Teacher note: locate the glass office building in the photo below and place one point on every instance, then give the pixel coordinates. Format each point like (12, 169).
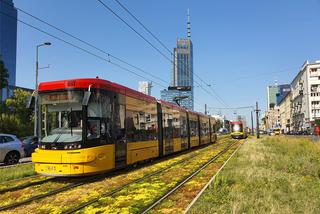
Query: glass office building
(283, 90)
(8, 42)
(182, 76)
(272, 92)
(183, 98)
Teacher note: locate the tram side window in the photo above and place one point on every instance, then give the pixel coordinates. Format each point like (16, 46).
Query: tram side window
(184, 132)
(193, 128)
(119, 131)
(141, 120)
(168, 128)
(204, 129)
(176, 126)
(99, 116)
(93, 129)
(99, 106)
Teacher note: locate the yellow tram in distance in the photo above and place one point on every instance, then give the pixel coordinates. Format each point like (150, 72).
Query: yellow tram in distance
(238, 130)
(90, 126)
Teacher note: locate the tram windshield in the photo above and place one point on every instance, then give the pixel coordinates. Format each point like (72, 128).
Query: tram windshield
(61, 117)
(236, 127)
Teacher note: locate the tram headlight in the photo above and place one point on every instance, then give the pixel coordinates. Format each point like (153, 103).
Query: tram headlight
(72, 146)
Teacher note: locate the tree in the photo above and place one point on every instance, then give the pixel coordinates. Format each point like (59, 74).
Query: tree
(17, 119)
(4, 75)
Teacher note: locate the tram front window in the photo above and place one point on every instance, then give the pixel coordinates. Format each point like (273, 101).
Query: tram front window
(61, 116)
(237, 127)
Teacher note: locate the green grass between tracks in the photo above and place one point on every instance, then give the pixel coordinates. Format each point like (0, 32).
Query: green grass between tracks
(15, 172)
(272, 175)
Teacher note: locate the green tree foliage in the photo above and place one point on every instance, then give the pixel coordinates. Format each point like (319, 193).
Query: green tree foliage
(4, 75)
(16, 118)
(219, 124)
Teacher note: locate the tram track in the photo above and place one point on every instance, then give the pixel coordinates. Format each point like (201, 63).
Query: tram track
(117, 190)
(90, 180)
(16, 165)
(25, 185)
(185, 180)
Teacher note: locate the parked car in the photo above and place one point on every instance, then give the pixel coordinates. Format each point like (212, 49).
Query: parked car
(29, 145)
(11, 149)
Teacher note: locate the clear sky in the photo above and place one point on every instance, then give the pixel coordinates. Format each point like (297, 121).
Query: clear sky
(240, 47)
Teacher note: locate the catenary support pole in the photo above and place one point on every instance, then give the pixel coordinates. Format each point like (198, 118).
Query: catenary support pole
(252, 131)
(257, 116)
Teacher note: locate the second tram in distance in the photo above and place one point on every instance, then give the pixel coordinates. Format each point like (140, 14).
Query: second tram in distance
(238, 130)
(90, 126)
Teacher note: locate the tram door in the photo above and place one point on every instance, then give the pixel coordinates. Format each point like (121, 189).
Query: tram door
(121, 143)
(168, 133)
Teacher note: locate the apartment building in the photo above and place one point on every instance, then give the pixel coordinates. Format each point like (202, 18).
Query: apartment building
(306, 97)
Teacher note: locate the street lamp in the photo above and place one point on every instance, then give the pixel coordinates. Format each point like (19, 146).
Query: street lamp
(36, 89)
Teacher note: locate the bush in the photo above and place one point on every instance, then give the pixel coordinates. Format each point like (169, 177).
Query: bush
(15, 118)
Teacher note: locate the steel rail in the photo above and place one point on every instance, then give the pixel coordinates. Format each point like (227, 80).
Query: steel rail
(180, 184)
(41, 196)
(210, 181)
(88, 180)
(25, 185)
(16, 165)
(112, 192)
(19, 179)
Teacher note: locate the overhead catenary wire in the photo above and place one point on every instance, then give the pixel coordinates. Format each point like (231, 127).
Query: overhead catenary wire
(233, 108)
(157, 39)
(84, 50)
(149, 31)
(133, 29)
(152, 34)
(89, 44)
(80, 48)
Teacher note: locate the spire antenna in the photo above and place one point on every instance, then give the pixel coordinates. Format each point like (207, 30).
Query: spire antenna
(188, 25)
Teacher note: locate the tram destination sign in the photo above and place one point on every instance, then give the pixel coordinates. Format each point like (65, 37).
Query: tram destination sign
(61, 97)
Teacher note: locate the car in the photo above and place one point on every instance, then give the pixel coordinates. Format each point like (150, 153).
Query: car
(29, 145)
(11, 149)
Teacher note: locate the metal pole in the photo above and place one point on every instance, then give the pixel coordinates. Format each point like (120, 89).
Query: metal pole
(314, 119)
(252, 132)
(205, 109)
(36, 95)
(257, 115)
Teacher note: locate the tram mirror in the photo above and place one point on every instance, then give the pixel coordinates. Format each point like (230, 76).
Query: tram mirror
(86, 98)
(103, 128)
(30, 102)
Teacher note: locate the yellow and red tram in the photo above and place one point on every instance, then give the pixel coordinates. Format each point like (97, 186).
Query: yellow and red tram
(91, 126)
(238, 130)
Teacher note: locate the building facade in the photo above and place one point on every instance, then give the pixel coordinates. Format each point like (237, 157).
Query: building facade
(178, 96)
(283, 90)
(8, 43)
(272, 117)
(145, 87)
(272, 92)
(306, 97)
(182, 74)
(285, 107)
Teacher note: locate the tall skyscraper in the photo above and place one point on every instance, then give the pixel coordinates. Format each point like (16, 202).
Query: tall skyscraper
(275, 93)
(8, 42)
(145, 87)
(283, 91)
(181, 89)
(272, 92)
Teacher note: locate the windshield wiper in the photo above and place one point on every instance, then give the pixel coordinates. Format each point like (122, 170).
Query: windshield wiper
(71, 122)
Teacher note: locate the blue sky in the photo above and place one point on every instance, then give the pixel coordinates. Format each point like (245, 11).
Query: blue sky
(240, 47)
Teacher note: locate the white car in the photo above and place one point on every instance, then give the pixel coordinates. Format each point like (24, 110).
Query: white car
(11, 149)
